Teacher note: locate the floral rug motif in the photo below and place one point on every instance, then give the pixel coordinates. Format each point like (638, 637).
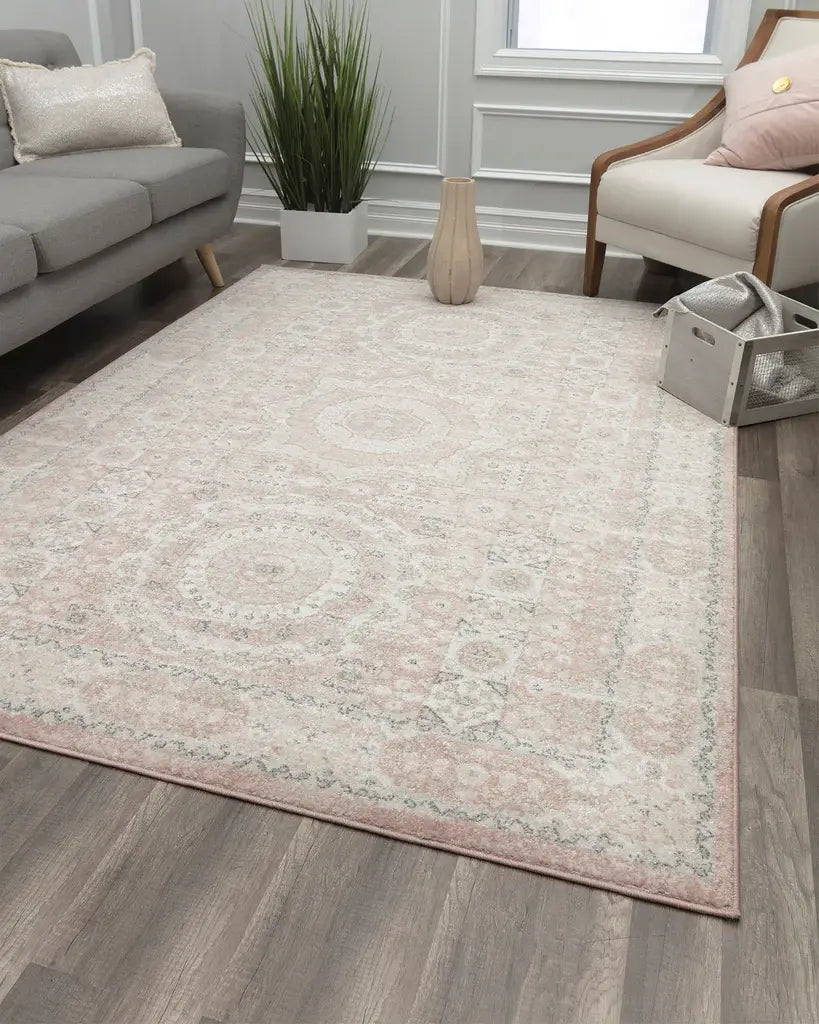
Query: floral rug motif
(462, 576)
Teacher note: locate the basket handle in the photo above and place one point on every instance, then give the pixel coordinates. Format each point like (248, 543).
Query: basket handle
(709, 339)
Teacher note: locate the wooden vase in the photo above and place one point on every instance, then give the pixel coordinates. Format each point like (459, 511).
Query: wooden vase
(455, 260)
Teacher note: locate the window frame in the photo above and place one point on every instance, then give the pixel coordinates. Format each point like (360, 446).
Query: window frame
(727, 38)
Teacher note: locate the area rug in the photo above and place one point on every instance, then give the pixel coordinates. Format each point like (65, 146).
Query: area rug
(460, 576)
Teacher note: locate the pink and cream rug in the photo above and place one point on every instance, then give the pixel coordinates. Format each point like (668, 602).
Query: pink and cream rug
(463, 576)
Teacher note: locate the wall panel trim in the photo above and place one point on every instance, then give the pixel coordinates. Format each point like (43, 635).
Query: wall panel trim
(96, 34)
(480, 111)
(136, 24)
(443, 86)
(382, 167)
(387, 166)
(530, 229)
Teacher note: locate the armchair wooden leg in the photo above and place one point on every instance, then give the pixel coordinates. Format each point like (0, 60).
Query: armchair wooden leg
(595, 255)
(208, 261)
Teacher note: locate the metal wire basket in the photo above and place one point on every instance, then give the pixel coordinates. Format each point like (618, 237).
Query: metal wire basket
(736, 381)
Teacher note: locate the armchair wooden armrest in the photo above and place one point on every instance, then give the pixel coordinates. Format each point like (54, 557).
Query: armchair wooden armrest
(771, 221)
(596, 251)
(774, 207)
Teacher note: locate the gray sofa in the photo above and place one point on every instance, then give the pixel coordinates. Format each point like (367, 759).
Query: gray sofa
(76, 228)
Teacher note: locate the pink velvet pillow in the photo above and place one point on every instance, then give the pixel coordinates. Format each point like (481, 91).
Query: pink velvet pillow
(772, 114)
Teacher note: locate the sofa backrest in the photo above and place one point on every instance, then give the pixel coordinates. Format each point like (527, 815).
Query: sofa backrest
(53, 49)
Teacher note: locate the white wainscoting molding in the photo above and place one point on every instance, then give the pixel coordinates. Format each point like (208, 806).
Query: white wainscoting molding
(602, 74)
(137, 33)
(94, 27)
(480, 111)
(387, 167)
(529, 229)
(443, 85)
(384, 167)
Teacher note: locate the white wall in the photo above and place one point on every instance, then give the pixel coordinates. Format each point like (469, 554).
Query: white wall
(529, 141)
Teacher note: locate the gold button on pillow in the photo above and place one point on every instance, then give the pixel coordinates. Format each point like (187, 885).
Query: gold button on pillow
(782, 84)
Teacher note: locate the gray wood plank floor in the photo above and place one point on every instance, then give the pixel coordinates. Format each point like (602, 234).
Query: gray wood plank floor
(128, 901)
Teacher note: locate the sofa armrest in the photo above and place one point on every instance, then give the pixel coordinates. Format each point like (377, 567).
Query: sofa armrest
(211, 121)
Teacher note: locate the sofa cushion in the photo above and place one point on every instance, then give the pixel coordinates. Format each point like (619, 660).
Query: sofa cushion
(18, 261)
(70, 219)
(176, 179)
(717, 208)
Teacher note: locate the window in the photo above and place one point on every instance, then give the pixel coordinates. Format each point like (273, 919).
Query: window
(622, 26)
(684, 42)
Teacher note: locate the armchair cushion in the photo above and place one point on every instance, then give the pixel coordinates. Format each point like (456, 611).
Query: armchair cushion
(715, 208)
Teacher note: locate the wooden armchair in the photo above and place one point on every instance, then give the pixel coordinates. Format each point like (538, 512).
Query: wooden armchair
(659, 199)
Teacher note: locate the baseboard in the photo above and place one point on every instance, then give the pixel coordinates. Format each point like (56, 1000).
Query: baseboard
(524, 229)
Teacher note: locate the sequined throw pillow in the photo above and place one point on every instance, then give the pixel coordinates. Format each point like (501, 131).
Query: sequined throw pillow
(68, 110)
(772, 114)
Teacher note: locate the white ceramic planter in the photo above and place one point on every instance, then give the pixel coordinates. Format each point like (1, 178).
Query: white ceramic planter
(324, 237)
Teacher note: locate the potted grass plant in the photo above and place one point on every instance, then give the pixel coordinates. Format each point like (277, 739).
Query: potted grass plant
(320, 123)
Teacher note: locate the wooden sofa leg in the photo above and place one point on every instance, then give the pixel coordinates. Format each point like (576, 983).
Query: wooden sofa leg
(595, 255)
(208, 261)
